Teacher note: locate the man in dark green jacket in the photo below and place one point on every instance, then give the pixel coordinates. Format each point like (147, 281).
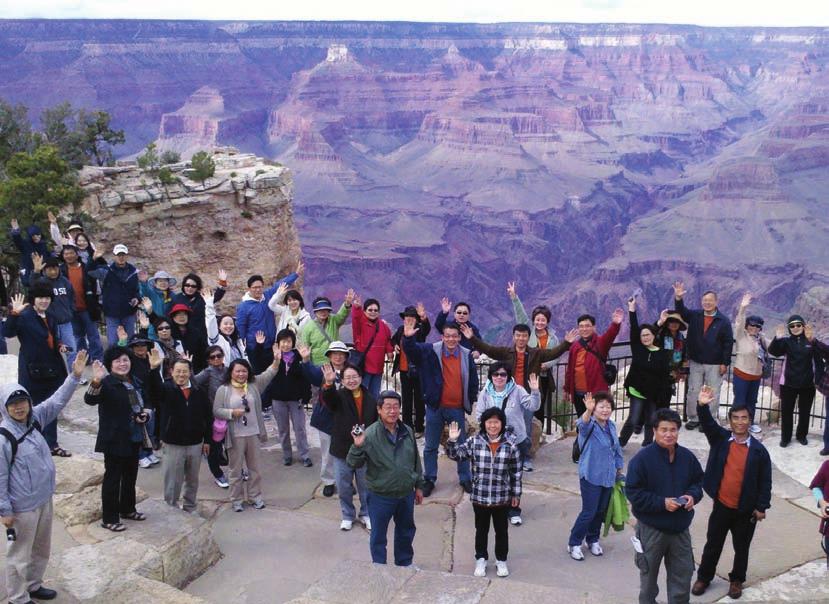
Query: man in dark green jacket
(395, 479)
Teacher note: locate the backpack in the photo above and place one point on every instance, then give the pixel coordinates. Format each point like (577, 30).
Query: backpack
(16, 441)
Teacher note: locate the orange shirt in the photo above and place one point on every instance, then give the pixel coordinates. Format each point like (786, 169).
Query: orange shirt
(731, 484)
(75, 275)
(493, 446)
(186, 392)
(404, 362)
(452, 393)
(518, 370)
(579, 373)
(358, 401)
(542, 340)
(706, 323)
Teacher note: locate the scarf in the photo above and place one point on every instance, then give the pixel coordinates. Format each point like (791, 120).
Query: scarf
(136, 406)
(499, 398)
(288, 357)
(243, 386)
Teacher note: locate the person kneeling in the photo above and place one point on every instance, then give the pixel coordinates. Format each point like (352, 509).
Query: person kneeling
(496, 466)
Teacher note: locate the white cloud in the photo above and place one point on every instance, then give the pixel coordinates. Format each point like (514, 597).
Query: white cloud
(700, 12)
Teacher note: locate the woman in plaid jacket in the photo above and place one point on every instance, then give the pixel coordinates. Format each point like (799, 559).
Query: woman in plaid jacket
(496, 472)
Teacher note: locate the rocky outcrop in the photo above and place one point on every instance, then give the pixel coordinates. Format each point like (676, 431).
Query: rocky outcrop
(191, 226)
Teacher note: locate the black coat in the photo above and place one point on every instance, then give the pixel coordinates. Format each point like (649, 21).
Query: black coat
(650, 371)
(197, 305)
(711, 347)
(423, 328)
(183, 421)
(341, 404)
(116, 429)
(40, 369)
(804, 363)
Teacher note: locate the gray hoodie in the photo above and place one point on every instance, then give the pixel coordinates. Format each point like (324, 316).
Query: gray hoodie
(30, 482)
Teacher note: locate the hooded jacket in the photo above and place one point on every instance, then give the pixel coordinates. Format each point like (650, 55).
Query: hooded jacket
(253, 315)
(119, 286)
(30, 482)
(27, 247)
(515, 403)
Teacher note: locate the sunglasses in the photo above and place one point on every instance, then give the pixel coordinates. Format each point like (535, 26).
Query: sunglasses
(461, 312)
(500, 374)
(189, 285)
(164, 328)
(216, 356)
(795, 324)
(247, 410)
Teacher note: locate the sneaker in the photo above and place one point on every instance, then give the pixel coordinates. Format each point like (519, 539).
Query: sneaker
(501, 568)
(528, 465)
(428, 487)
(307, 462)
(145, 462)
(516, 520)
(245, 475)
(258, 504)
(480, 567)
(575, 552)
(287, 461)
(692, 424)
(346, 525)
(328, 490)
(596, 549)
(366, 522)
(153, 459)
(755, 429)
(238, 506)
(221, 481)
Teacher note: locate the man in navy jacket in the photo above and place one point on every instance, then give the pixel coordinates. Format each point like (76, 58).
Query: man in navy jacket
(709, 342)
(119, 291)
(664, 482)
(449, 381)
(738, 479)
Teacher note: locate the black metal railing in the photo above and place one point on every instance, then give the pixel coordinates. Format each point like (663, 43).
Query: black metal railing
(557, 411)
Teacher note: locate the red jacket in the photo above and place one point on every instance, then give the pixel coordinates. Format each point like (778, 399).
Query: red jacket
(362, 331)
(592, 365)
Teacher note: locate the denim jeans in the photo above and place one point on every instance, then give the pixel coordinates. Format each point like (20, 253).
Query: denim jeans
(435, 420)
(345, 476)
(594, 501)
(745, 394)
(112, 327)
(66, 336)
(87, 336)
(380, 511)
(371, 382)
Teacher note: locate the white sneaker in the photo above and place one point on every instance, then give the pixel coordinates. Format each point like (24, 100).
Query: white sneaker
(575, 552)
(755, 429)
(346, 525)
(501, 568)
(480, 567)
(153, 459)
(516, 520)
(366, 522)
(596, 549)
(145, 462)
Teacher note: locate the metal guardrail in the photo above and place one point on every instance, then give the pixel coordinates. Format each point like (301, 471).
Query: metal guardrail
(559, 412)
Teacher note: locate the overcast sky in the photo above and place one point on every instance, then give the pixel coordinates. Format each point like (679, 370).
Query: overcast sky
(699, 12)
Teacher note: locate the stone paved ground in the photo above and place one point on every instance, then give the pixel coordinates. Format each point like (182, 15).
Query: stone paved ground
(293, 550)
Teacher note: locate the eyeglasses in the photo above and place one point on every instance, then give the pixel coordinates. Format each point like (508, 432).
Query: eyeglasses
(163, 328)
(216, 356)
(500, 374)
(247, 410)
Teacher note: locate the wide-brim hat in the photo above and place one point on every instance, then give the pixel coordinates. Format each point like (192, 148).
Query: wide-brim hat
(162, 275)
(74, 227)
(336, 346)
(409, 311)
(675, 316)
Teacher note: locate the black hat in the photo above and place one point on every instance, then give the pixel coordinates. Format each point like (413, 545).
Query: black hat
(138, 340)
(409, 311)
(754, 320)
(795, 319)
(51, 261)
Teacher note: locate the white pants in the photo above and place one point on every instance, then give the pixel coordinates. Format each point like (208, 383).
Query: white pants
(26, 558)
(327, 463)
(698, 375)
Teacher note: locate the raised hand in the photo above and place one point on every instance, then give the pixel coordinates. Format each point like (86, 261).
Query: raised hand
(51, 216)
(260, 337)
(618, 315)
(466, 330)
(222, 275)
(349, 297)
(706, 395)
(147, 304)
(15, 224)
(300, 268)
(303, 350)
(79, 364)
(445, 304)
(409, 330)
(143, 321)
(122, 333)
(589, 402)
(511, 290)
(454, 431)
(186, 356)
(99, 253)
(280, 292)
(631, 304)
(421, 310)
(37, 261)
(679, 290)
(780, 331)
(99, 372)
(328, 374)
(356, 301)
(18, 303)
(746, 300)
(809, 332)
(277, 354)
(663, 316)
(533, 380)
(572, 335)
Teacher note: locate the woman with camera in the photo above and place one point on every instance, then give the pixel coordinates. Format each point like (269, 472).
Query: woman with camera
(122, 415)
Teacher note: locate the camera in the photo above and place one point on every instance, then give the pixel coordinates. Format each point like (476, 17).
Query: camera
(11, 534)
(357, 430)
(683, 501)
(826, 510)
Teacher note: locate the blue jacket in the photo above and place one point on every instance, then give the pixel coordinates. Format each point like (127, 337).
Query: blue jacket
(254, 315)
(40, 369)
(27, 247)
(601, 454)
(652, 478)
(428, 358)
(712, 347)
(756, 491)
(119, 285)
(62, 307)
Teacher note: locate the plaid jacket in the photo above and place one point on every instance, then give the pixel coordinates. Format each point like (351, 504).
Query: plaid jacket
(496, 479)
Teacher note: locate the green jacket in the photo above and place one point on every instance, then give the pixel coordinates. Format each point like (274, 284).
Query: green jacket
(617, 510)
(312, 336)
(393, 470)
(522, 317)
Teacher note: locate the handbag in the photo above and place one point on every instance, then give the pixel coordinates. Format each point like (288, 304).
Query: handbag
(577, 449)
(609, 370)
(357, 358)
(321, 417)
(219, 429)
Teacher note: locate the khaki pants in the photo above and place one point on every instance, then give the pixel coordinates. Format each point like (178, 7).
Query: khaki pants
(181, 468)
(699, 374)
(245, 448)
(26, 558)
